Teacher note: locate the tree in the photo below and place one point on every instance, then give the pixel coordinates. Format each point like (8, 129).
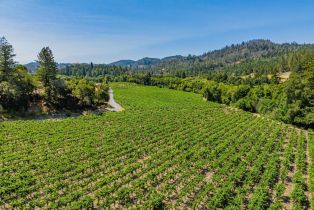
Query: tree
(84, 91)
(102, 92)
(147, 78)
(7, 95)
(25, 85)
(47, 70)
(16, 93)
(15, 84)
(212, 92)
(6, 59)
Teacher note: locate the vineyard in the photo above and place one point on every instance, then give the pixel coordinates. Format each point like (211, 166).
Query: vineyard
(167, 149)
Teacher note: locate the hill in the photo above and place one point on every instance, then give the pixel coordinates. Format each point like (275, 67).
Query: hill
(123, 63)
(233, 54)
(145, 62)
(140, 64)
(258, 48)
(32, 66)
(168, 149)
(236, 58)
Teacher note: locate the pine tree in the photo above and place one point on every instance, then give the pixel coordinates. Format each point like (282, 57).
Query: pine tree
(47, 71)
(6, 60)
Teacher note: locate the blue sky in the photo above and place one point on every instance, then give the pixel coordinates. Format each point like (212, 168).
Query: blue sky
(103, 31)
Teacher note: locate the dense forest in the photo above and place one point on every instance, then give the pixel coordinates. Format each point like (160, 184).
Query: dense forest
(259, 57)
(22, 93)
(236, 58)
(92, 70)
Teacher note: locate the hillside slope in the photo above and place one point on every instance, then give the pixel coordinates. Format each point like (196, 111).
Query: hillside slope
(167, 149)
(233, 54)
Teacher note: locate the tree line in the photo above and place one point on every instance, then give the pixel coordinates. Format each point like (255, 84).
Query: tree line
(19, 90)
(92, 70)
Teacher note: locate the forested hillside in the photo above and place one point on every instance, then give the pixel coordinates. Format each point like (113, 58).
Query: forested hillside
(228, 57)
(257, 50)
(260, 57)
(92, 70)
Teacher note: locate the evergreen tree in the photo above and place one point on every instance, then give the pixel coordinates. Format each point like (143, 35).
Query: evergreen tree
(47, 71)
(6, 60)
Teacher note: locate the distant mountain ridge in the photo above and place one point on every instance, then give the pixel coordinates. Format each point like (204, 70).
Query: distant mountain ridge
(232, 54)
(144, 62)
(141, 63)
(32, 66)
(123, 63)
(256, 48)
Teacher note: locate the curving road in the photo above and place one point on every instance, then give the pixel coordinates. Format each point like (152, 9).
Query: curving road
(112, 103)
